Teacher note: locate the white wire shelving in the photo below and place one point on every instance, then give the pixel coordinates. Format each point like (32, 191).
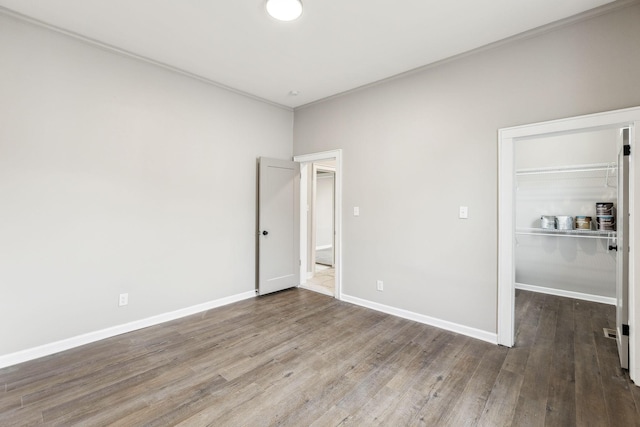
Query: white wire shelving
(594, 167)
(609, 170)
(589, 234)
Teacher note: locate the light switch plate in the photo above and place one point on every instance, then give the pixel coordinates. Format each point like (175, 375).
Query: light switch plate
(356, 211)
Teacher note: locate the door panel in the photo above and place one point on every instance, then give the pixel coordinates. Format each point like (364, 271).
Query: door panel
(622, 261)
(279, 225)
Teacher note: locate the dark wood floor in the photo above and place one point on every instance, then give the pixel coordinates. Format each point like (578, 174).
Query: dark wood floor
(298, 358)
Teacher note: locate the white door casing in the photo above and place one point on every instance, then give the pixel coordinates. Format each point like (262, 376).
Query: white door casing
(278, 225)
(305, 163)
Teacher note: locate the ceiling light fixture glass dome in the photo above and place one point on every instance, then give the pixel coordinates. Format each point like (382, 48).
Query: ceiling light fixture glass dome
(284, 10)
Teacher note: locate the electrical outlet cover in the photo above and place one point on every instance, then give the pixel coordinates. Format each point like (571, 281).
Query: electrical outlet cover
(123, 299)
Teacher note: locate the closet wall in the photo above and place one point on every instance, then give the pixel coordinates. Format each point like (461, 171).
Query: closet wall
(581, 264)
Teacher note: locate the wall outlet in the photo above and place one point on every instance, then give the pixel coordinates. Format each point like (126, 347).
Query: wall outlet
(380, 285)
(123, 300)
(464, 212)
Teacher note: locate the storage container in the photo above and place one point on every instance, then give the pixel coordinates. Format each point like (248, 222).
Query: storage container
(604, 208)
(548, 222)
(564, 222)
(583, 222)
(606, 222)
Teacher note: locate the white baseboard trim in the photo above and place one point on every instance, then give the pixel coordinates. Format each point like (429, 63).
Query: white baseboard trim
(490, 337)
(69, 343)
(568, 294)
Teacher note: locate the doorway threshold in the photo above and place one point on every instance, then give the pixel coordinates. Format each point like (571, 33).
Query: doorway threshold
(316, 288)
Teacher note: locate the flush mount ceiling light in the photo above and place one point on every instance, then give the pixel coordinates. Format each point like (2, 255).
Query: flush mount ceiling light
(284, 10)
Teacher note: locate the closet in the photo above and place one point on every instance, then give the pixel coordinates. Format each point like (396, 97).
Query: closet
(558, 179)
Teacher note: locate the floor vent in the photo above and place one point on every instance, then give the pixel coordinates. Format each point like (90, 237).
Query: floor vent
(609, 333)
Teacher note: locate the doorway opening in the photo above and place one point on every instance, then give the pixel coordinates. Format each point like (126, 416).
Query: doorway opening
(320, 225)
(563, 246)
(321, 237)
(509, 139)
(566, 239)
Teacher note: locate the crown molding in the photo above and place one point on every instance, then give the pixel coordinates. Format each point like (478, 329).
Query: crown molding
(125, 53)
(581, 17)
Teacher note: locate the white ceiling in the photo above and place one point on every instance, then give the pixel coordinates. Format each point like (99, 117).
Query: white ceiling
(336, 45)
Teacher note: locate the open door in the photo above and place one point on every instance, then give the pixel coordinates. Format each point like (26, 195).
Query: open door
(622, 259)
(278, 225)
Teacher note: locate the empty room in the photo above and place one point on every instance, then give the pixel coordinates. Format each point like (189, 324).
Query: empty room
(303, 212)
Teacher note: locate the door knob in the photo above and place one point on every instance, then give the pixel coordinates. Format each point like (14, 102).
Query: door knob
(613, 248)
(265, 232)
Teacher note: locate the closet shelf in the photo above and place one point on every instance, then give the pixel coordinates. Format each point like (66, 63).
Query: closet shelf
(589, 234)
(610, 168)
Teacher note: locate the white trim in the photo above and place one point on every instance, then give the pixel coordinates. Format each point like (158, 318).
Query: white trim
(506, 242)
(69, 343)
(304, 219)
(604, 120)
(312, 218)
(553, 26)
(506, 232)
(568, 294)
(427, 320)
(319, 248)
(122, 52)
(634, 256)
(305, 160)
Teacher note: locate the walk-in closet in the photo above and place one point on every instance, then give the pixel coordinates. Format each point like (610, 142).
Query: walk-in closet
(566, 201)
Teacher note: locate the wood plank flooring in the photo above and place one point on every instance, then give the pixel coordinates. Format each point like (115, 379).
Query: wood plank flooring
(299, 358)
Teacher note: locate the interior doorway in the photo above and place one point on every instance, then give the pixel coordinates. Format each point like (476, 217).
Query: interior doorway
(563, 246)
(508, 140)
(321, 277)
(320, 233)
(567, 190)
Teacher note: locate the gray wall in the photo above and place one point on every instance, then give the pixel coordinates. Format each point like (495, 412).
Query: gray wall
(119, 176)
(417, 147)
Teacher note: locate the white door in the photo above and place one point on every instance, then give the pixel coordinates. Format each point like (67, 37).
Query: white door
(278, 225)
(622, 261)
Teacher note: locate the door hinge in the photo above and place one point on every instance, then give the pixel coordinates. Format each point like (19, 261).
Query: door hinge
(627, 150)
(625, 330)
